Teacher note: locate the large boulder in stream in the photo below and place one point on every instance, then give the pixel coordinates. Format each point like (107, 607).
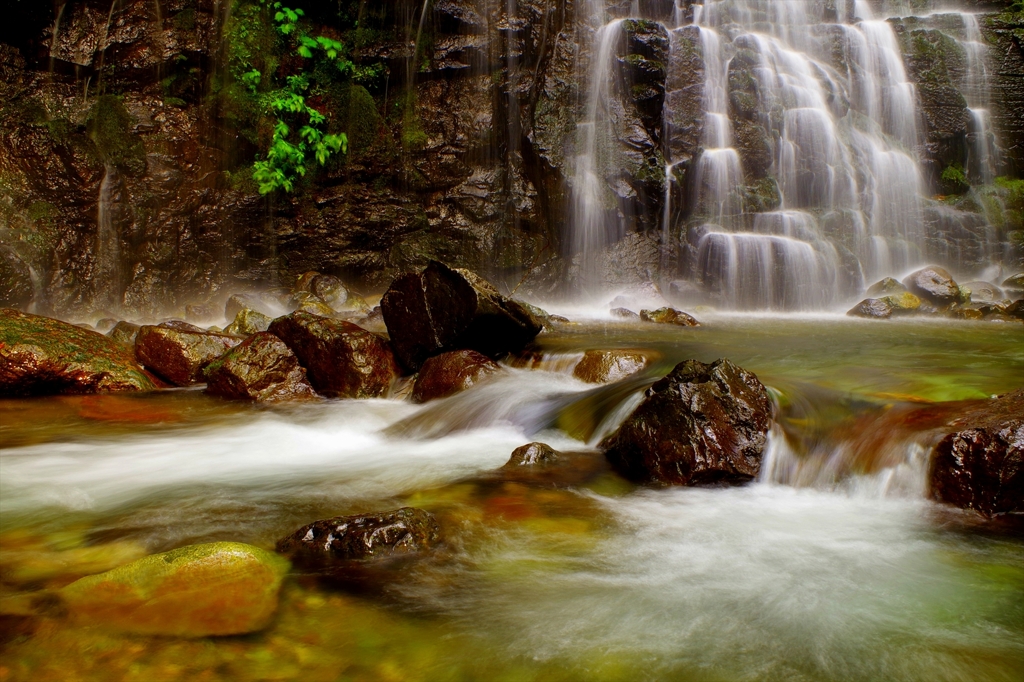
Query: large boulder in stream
(179, 352)
(933, 284)
(261, 368)
(980, 465)
(449, 373)
(701, 424)
(604, 366)
(220, 588)
(363, 537)
(43, 356)
(342, 360)
(443, 309)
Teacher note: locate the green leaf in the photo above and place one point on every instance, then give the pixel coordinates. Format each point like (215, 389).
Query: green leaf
(304, 52)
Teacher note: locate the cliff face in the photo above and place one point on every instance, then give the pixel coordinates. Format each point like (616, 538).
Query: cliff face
(128, 141)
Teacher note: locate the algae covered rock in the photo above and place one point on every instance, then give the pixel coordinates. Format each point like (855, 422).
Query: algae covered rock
(885, 287)
(872, 308)
(261, 368)
(980, 465)
(341, 359)
(179, 352)
(449, 373)
(124, 332)
(363, 536)
(701, 424)
(43, 356)
(248, 321)
(603, 366)
(441, 309)
(669, 316)
(220, 588)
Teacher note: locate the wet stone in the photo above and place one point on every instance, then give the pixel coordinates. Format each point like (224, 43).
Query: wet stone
(625, 313)
(885, 287)
(603, 366)
(1014, 283)
(341, 359)
(220, 588)
(980, 465)
(701, 424)
(329, 289)
(179, 353)
(238, 302)
(248, 321)
(669, 316)
(363, 537)
(532, 455)
(871, 308)
(43, 356)
(933, 284)
(450, 373)
(442, 309)
(984, 292)
(124, 332)
(261, 368)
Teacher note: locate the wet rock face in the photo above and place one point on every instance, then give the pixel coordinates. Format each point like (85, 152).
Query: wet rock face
(602, 366)
(701, 424)
(443, 309)
(362, 537)
(43, 356)
(221, 588)
(885, 287)
(933, 284)
(341, 359)
(248, 322)
(124, 332)
(449, 373)
(669, 316)
(16, 288)
(984, 292)
(981, 465)
(532, 455)
(261, 368)
(179, 353)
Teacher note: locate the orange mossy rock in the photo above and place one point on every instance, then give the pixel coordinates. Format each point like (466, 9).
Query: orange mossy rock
(220, 588)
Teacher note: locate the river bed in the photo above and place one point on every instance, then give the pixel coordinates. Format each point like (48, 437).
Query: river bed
(830, 567)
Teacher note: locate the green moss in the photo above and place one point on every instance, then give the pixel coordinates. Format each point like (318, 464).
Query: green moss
(108, 125)
(185, 20)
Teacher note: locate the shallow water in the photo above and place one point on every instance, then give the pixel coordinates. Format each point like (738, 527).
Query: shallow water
(844, 573)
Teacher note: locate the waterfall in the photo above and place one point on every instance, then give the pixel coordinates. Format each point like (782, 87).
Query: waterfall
(108, 242)
(837, 197)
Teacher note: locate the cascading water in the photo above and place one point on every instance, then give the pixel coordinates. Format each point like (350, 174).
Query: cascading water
(837, 112)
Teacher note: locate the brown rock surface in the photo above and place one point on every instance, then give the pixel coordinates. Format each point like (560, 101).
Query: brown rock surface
(448, 373)
(341, 359)
(700, 424)
(442, 309)
(669, 316)
(261, 368)
(933, 284)
(179, 354)
(603, 366)
(364, 536)
(42, 356)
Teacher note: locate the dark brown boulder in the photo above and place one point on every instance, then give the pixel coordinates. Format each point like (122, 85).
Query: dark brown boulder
(361, 537)
(179, 352)
(261, 368)
(981, 464)
(43, 356)
(443, 309)
(124, 332)
(669, 316)
(448, 373)
(933, 284)
(701, 424)
(341, 359)
(602, 366)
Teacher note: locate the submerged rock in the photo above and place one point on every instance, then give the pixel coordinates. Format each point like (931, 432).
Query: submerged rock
(701, 424)
(449, 373)
(603, 366)
(124, 332)
(43, 356)
(532, 455)
(261, 368)
(342, 360)
(443, 309)
(363, 536)
(669, 316)
(981, 465)
(179, 352)
(221, 588)
(933, 284)
(248, 321)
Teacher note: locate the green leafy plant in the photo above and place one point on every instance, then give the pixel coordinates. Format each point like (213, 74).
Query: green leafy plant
(299, 131)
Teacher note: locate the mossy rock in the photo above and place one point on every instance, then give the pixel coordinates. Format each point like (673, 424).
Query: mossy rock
(43, 356)
(109, 125)
(220, 588)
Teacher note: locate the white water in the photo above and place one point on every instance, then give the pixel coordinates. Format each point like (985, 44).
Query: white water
(841, 112)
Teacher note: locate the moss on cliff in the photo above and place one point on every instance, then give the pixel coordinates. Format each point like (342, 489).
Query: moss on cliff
(109, 126)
